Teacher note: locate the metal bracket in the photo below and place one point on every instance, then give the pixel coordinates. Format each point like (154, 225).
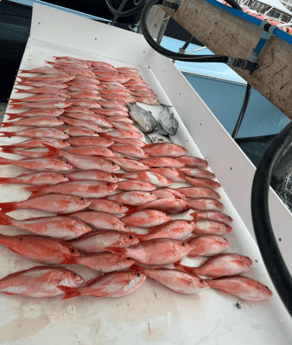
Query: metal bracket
(173, 5)
(267, 31)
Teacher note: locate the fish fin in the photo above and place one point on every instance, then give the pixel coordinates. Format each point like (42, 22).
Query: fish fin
(8, 206)
(139, 236)
(12, 116)
(4, 219)
(183, 268)
(121, 253)
(177, 264)
(69, 291)
(7, 124)
(8, 134)
(53, 151)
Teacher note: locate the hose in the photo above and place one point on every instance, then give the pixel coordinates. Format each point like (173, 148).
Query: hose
(242, 111)
(125, 13)
(267, 243)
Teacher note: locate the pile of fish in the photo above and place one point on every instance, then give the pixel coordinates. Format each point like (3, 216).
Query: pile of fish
(114, 201)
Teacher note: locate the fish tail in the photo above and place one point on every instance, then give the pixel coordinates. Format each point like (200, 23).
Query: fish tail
(52, 151)
(69, 291)
(140, 236)
(131, 209)
(121, 253)
(8, 206)
(7, 124)
(8, 149)
(187, 269)
(69, 261)
(18, 105)
(36, 191)
(14, 99)
(194, 215)
(8, 134)
(12, 116)
(5, 220)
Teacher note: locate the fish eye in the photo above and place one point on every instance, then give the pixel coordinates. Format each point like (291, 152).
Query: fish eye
(183, 244)
(72, 250)
(75, 274)
(130, 236)
(113, 176)
(138, 274)
(126, 225)
(121, 205)
(189, 222)
(201, 280)
(82, 198)
(108, 183)
(113, 163)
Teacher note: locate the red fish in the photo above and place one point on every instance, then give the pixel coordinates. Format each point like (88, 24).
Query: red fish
(77, 131)
(58, 227)
(169, 206)
(112, 105)
(205, 205)
(97, 120)
(43, 90)
(220, 266)
(39, 164)
(132, 185)
(35, 143)
(106, 206)
(36, 113)
(39, 121)
(122, 125)
(173, 174)
(203, 182)
(166, 193)
(199, 192)
(53, 203)
(81, 83)
(101, 220)
(85, 95)
(129, 150)
(132, 141)
(37, 179)
(178, 229)
(165, 149)
(30, 153)
(88, 162)
(245, 288)
(211, 227)
(81, 123)
(123, 133)
(85, 189)
(39, 282)
(39, 98)
(201, 173)
(37, 133)
(105, 142)
(160, 251)
(97, 241)
(119, 118)
(207, 245)
(92, 175)
(163, 162)
(110, 112)
(129, 164)
(75, 109)
(91, 150)
(84, 88)
(103, 262)
(40, 248)
(53, 86)
(213, 215)
(195, 162)
(153, 178)
(40, 105)
(48, 78)
(147, 100)
(175, 280)
(132, 198)
(146, 219)
(84, 103)
(115, 284)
